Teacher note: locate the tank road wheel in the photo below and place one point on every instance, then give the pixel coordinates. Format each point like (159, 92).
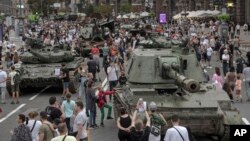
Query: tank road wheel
(72, 87)
(226, 135)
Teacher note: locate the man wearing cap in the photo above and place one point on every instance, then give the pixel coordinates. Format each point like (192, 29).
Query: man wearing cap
(157, 123)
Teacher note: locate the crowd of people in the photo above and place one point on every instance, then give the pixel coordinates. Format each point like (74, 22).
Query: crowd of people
(72, 119)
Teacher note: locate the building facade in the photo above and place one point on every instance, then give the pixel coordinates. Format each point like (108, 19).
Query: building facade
(242, 11)
(17, 11)
(6, 7)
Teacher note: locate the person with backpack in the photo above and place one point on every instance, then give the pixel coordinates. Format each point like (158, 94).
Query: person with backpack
(46, 131)
(21, 132)
(34, 125)
(15, 79)
(157, 123)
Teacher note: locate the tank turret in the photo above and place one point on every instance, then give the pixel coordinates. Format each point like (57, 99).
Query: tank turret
(52, 56)
(171, 71)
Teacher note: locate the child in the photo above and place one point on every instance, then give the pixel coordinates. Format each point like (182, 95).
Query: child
(122, 79)
(238, 88)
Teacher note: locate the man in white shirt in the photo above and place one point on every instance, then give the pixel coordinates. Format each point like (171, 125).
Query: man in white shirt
(245, 28)
(112, 77)
(80, 123)
(238, 29)
(3, 78)
(177, 132)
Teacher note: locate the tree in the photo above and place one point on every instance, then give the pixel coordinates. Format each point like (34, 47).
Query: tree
(104, 9)
(89, 9)
(223, 17)
(41, 6)
(126, 8)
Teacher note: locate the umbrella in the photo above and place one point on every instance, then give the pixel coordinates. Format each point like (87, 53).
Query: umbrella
(125, 17)
(144, 14)
(119, 17)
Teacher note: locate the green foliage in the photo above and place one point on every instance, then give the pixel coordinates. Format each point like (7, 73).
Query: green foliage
(126, 8)
(223, 17)
(89, 9)
(152, 14)
(36, 5)
(104, 9)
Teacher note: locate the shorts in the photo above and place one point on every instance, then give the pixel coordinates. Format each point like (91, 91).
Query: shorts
(209, 58)
(65, 85)
(15, 88)
(239, 71)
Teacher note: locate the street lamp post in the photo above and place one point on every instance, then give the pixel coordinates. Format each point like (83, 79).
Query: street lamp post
(20, 7)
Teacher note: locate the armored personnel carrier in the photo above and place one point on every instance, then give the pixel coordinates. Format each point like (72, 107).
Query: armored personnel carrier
(40, 66)
(166, 72)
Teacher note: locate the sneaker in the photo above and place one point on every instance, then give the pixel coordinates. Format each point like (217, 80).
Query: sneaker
(96, 126)
(110, 118)
(12, 102)
(4, 102)
(17, 102)
(102, 125)
(91, 127)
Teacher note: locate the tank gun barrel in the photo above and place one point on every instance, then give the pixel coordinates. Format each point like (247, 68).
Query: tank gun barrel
(188, 84)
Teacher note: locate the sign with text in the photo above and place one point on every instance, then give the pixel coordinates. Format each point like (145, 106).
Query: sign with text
(239, 132)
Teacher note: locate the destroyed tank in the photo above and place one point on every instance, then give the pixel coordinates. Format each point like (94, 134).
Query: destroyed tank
(39, 66)
(166, 72)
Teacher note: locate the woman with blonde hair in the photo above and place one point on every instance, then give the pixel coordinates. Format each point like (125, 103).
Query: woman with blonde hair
(34, 125)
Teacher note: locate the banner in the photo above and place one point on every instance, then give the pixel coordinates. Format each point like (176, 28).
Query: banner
(163, 18)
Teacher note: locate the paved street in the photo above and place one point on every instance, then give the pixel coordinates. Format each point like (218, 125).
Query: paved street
(37, 101)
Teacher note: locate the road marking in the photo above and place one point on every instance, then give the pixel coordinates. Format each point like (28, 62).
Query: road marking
(245, 121)
(104, 82)
(12, 112)
(104, 85)
(33, 97)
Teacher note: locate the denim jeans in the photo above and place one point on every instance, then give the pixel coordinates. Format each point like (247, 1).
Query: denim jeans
(92, 118)
(247, 85)
(81, 88)
(225, 66)
(67, 120)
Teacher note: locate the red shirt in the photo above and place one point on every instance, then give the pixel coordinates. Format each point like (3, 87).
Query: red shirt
(102, 98)
(95, 51)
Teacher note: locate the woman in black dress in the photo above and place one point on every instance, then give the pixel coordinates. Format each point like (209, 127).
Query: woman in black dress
(124, 125)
